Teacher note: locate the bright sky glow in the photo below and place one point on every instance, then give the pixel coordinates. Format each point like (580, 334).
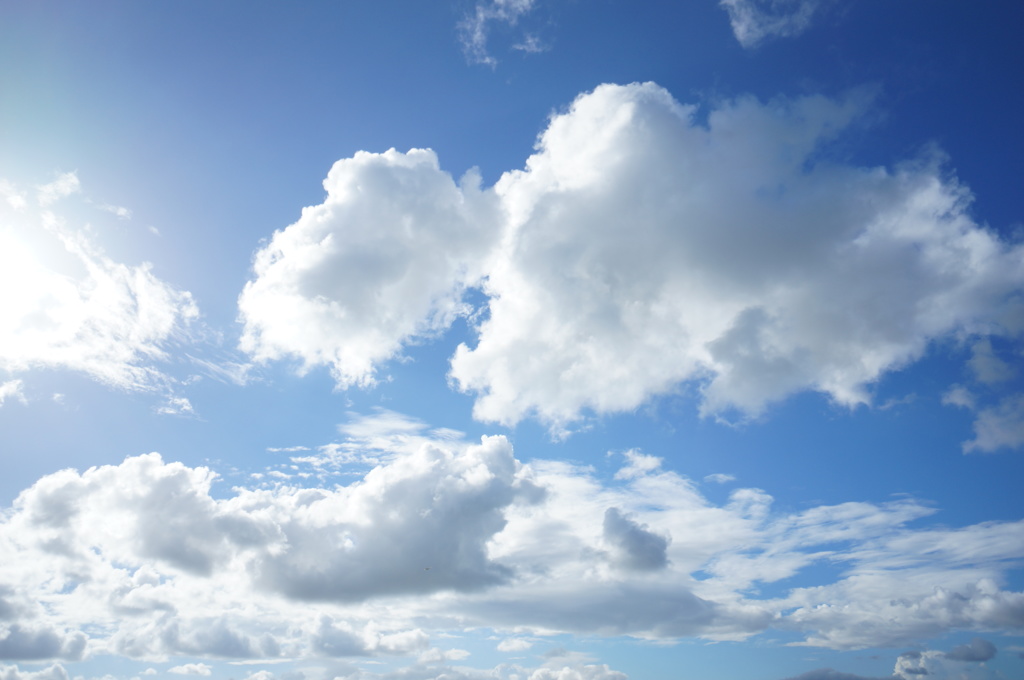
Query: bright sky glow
(512, 340)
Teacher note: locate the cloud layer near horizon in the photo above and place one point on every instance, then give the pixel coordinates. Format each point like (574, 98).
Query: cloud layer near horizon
(641, 249)
(148, 560)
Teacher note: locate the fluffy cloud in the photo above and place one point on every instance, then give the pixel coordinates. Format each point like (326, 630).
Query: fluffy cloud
(54, 672)
(417, 525)
(754, 21)
(647, 250)
(27, 644)
(149, 559)
(78, 309)
(383, 260)
(641, 251)
(191, 669)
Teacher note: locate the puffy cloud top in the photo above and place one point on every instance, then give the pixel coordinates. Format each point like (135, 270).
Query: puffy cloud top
(639, 250)
(385, 258)
(647, 250)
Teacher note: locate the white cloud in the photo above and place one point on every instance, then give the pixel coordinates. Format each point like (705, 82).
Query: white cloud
(144, 559)
(260, 675)
(191, 669)
(77, 309)
(754, 21)
(11, 389)
(720, 478)
(637, 464)
(474, 28)
(436, 655)
(383, 261)
(514, 645)
(65, 185)
(176, 406)
(639, 253)
(54, 672)
(646, 250)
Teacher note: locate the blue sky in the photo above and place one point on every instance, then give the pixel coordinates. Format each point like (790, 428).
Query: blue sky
(511, 340)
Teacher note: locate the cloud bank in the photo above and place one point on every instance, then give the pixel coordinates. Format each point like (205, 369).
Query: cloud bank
(643, 250)
(149, 560)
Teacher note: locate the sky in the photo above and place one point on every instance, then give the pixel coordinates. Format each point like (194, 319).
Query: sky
(512, 340)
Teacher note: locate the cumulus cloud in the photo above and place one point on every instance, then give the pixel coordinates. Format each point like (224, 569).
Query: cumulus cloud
(383, 261)
(54, 672)
(641, 251)
(647, 250)
(78, 309)
(755, 21)
(417, 525)
(26, 644)
(149, 559)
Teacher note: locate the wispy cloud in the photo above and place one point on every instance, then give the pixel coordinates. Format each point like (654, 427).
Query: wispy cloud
(88, 313)
(475, 28)
(755, 21)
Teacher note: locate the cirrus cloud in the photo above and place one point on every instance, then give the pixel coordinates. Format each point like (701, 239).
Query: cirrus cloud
(77, 308)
